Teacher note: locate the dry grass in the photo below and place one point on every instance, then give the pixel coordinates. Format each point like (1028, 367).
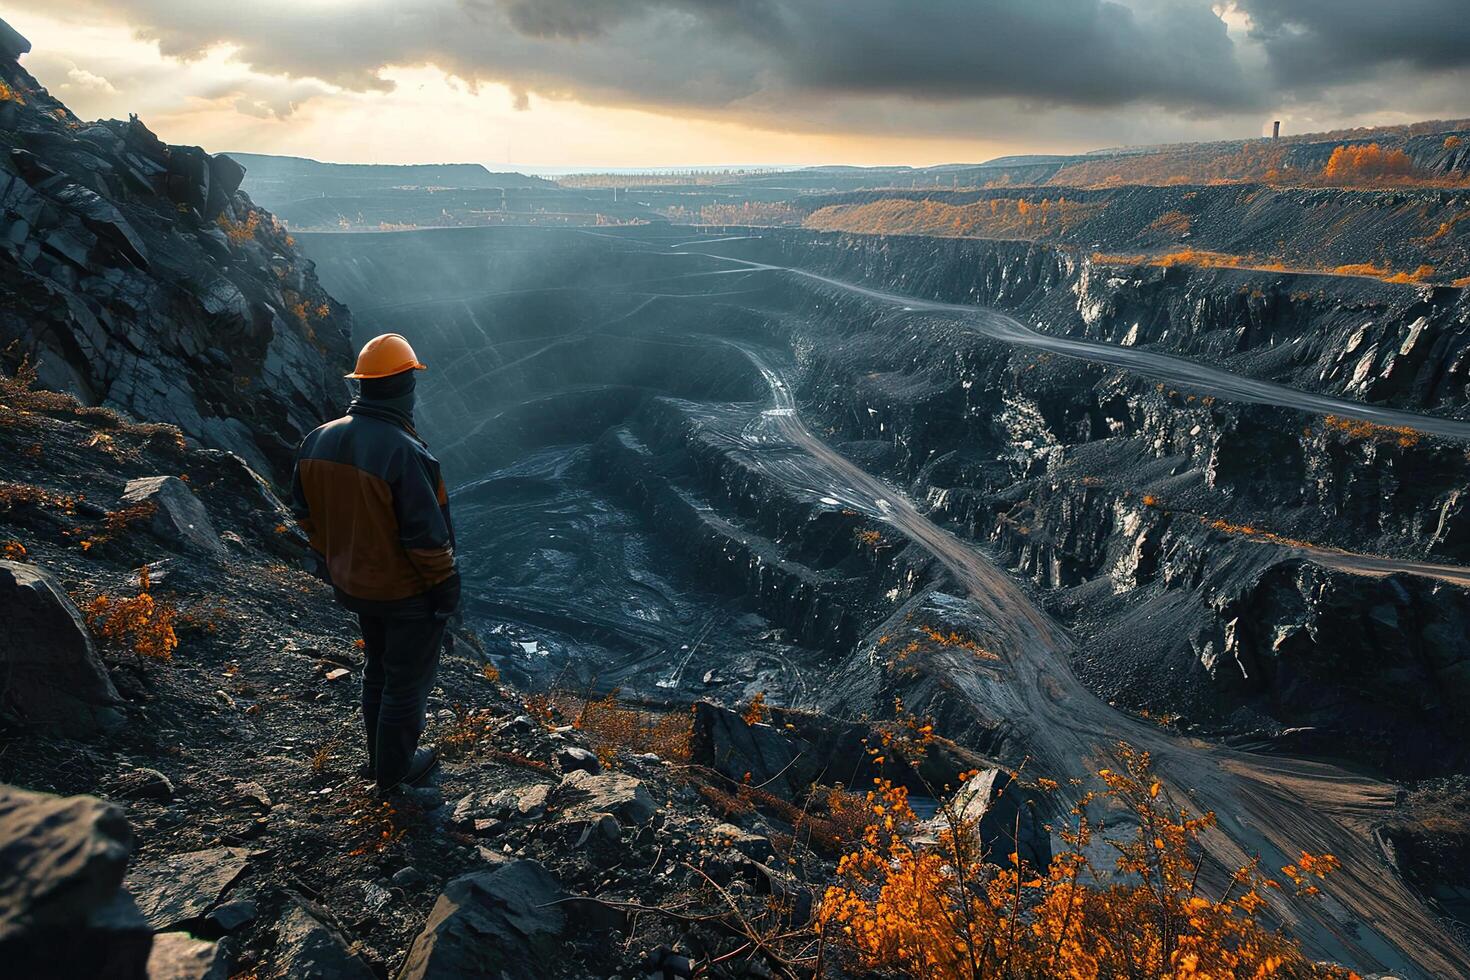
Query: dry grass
(1027, 217)
(615, 727)
(21, 401)
(16, 495)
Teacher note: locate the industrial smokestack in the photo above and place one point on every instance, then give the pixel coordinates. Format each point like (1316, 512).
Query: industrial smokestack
(1276, 130)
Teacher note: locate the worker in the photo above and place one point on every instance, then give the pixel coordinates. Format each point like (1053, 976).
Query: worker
(370, 498)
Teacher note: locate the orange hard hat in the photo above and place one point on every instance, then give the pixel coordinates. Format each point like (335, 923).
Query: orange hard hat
(386, 355)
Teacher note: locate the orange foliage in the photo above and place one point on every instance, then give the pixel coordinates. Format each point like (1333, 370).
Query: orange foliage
(1447, 227)
(756, 213)
(1174, 222)
(1020, 217)
(1222, 260)
(13, 551)
(240, 232)
(1370, 164)
(1450, 142)
(378, 827)
(951, 912)
(1188, 164)
(8, 94)
(614, 726)
(1401, 435)
(142, 623)
(756, 713)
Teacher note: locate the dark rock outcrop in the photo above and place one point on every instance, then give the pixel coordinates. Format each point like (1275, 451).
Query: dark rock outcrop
(176, 890)
(63, 912)
(502, 923)
(141, 278)
(53, 679)
(178, 517)
(309, 948)
(1003, 817)
(583, 796)
(177, 956)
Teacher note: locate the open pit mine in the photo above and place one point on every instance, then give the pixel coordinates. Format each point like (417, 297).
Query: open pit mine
(790, 547)
(1151, 506)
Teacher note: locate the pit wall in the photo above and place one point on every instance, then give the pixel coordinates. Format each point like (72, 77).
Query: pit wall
(1348, 336)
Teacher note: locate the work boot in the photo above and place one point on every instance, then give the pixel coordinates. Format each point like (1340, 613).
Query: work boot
(423, 763)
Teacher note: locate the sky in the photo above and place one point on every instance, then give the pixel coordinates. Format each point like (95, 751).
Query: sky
(588, 84)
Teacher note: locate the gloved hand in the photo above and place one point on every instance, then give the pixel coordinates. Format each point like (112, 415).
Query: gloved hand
(444, 597)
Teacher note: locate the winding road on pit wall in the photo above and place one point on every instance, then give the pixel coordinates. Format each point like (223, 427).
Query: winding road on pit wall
(1270, 806)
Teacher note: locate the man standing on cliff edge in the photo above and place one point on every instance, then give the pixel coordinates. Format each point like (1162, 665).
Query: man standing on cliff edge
(369, 496)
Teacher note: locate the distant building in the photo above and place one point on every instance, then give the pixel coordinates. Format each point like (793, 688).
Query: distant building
(1276, 130)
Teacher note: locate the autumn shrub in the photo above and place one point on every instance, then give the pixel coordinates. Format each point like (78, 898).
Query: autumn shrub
(1402, 436)
(756, 712)
(948, 910)
(8, 94)
(614, 726)
(142, 624)
(1367, 164)
(239, 232)
(13, 551)
(467, 729)
(752, 213)
(1451, 142)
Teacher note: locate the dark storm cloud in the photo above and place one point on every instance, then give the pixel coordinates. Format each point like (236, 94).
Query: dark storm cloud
(1316, 43)
(918, 67)
(744, 57)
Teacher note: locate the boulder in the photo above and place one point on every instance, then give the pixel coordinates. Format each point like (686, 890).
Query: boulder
(517, 803)
(723, 741)
(507, 923)
(177, 956)
(62, 910)
(232, 915)
(572, 758)
(53, 679)
(583, 796)
(188, 177)
(177, 889)
(225, 175)
(178, 517)
(1007, 819)
(307, 948)
(12, 43)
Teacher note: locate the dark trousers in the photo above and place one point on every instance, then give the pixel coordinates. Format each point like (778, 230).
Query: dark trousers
(402, 659)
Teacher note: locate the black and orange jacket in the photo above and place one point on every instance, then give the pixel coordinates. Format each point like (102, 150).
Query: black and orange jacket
(369, 496)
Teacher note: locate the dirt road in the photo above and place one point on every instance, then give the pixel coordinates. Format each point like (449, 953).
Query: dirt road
(1266, 805)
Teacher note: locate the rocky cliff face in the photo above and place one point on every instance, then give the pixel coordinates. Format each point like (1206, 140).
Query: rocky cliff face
(137, 276)
(1350, 336)
(1307, 228)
